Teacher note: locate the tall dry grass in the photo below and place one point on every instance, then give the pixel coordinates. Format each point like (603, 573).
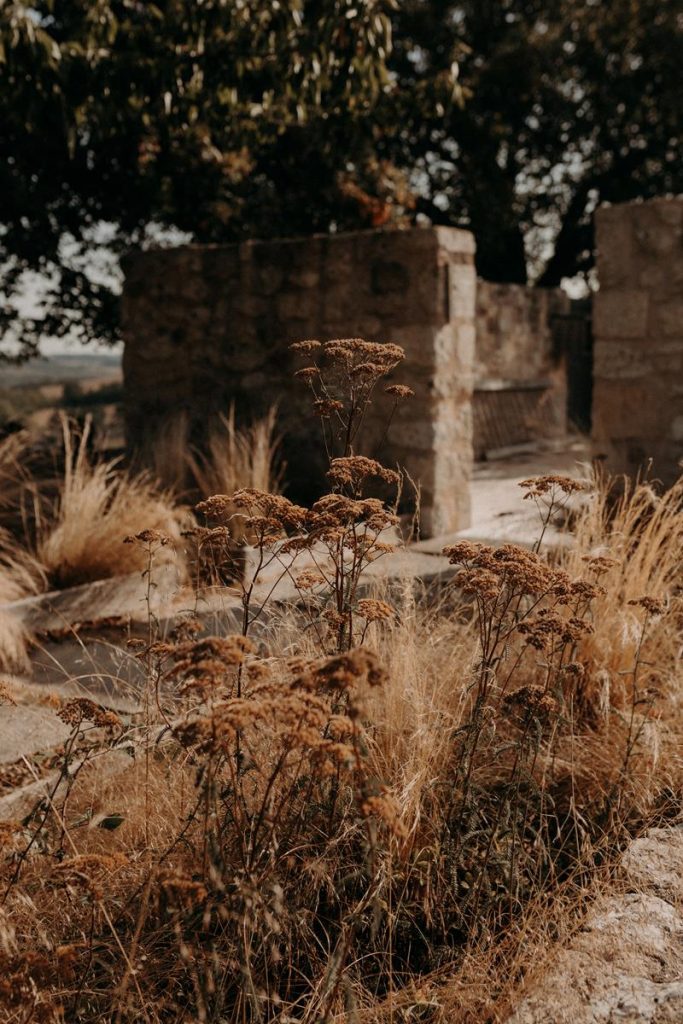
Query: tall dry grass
(348, 901)
(20, 576)
(20, 573)
(83, 537)
(13, 451)
(237, 457)
(232, 456)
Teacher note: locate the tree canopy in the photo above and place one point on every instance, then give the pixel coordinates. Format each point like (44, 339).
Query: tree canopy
(224, 119)
(568, 103)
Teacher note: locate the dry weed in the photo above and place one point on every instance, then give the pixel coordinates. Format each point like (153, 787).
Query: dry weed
(83, 537)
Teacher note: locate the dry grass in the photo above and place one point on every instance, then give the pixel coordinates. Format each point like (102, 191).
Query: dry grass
(18, 574)
(232, 457)
(84, 537)
(12, 459)
(235, 457)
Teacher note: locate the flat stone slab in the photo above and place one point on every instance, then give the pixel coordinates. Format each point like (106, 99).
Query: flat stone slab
(27, 729)
(121, 597)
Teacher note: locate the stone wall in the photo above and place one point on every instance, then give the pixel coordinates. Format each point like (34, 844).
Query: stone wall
(638, 329)
(520, 390)
(514, 335)
(205, 326)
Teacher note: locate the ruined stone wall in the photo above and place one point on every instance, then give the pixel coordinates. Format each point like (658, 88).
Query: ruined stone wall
(205, 326)
(520, 391)
(638, 329)
(514, 336)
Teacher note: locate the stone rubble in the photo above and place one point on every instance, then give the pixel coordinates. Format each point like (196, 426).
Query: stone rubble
(625, 965)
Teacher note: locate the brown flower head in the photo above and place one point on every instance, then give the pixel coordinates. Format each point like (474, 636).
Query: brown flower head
(399, 390)
(353, 470)
(305, 347)
(80, 709)
(149, 538)
(652, 605)
(375, 611)
(542, 486)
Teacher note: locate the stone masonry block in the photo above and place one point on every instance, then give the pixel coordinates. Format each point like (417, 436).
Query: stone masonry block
(638, 338)
(620, 313)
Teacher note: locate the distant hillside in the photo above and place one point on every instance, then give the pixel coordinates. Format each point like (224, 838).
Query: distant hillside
(55, 369)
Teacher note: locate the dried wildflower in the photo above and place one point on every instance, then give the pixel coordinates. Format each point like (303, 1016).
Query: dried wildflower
(540, 486)
(652, 605)
(271, 507)
(352, 350)
(305, 347)
(464, 552)
(183, 891)
(326, 407)
(149, 537)
(599, 564)
(186, 629)
(308, 374)
(399, 390)
(308, 579)
(383, 805)
(584, 589)
(202, 665)
(534, 701)
(215, 535)
(81, 709)
(545, 628)
(216, 506)
(375, 611)
(343, 671)
(353, 470)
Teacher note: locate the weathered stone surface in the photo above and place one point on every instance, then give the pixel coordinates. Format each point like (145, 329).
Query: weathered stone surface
(513, 329)
(118, 597)
(655, 861)
(25, 730)
(621, 313)
(625, 965)
(638, 327)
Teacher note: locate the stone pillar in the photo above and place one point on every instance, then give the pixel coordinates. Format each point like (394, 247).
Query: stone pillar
(638, 348)
(205, 326)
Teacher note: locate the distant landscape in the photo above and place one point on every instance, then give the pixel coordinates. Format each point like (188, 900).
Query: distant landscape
(80, 384)
(54, 369)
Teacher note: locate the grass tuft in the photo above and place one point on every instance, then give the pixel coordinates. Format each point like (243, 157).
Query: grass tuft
(83, 538)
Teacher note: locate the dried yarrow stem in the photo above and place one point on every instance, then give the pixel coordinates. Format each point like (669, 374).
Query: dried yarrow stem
(81, 709)
(149, 538)
(343, 379)
(545, 486)
(652, 605)
(352, 471)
